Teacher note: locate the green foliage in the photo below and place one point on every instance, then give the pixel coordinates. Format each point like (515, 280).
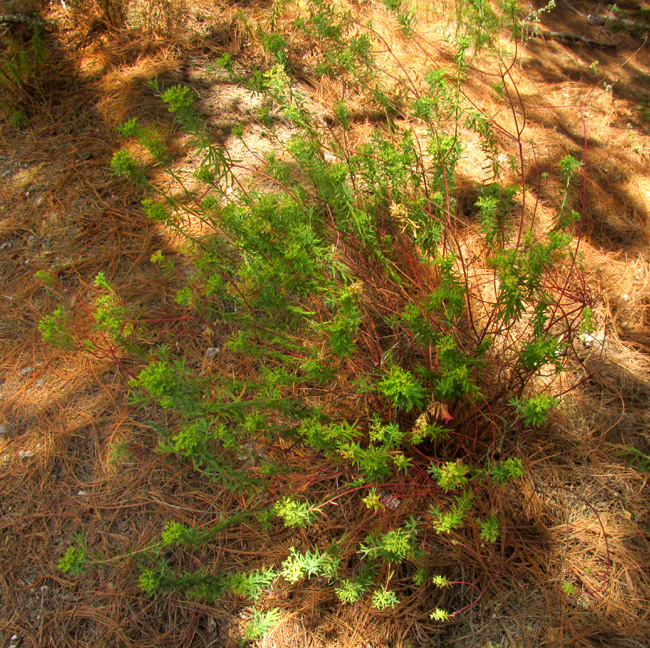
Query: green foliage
(179, 99)
(440, 615)
(349, 591)
(454, 518)
(253, 584)
(328, 436)
(402, 388)
(383, 599)
(261, 623)
(169, 384)
(177, 533)
(156, 211)
(75, 559)
(568, 167)
(309, 563)
(124, 164)
(441, 581)
(53, 329)
(360, 324)
(343, 328)
(569, 588)
(538, 352)
(22, 67)
(634, 457)
(450, 296)
(373, 499)
(489, 528)
(587, 325)
(295, 514)
(393, 546)
(535, 410)
(451, 475)
(504, 471)
(150, 581)
(494, 205)
(374, 461)
(109, 313)
(45, 277)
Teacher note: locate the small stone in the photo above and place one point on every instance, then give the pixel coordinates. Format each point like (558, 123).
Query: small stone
(26, 371)
(4, 429)
(211, 352)
(596, 340)
(82, 493)
(392, 503)
(23, 454)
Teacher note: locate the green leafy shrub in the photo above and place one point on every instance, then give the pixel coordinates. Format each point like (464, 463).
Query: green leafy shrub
(366, 335)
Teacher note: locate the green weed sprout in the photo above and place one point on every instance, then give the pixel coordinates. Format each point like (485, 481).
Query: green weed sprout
(261, 623)
(383, 599)
(489, 528)
(440, 615)
(75, 559)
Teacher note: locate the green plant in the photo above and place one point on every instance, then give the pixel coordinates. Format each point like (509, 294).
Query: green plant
(504, 471)
(362, 320)
(535, 410)
(261, 623)
(489, 528)
(373, 499)
(110, 315)
(440, 615)
(635, 457)
(569, 588)
(309, 563)
(451, 475)
(393, 546)
(295, 514)
(75, 559)
(253, 584)
(445, 522)
(352, 590)
(441, 581)
(402, 388)
(118, 452)
(53, 329)
(383, 599)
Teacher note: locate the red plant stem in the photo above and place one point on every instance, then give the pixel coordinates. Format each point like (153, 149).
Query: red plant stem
(476, 600)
